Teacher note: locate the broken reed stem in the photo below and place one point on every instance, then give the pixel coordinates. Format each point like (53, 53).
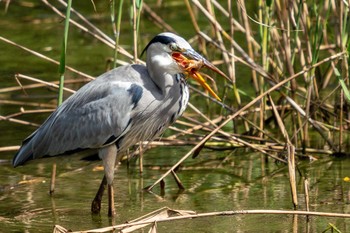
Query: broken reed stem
(290, 151)
(9, 148)
(307, 197)
(53, 178)
(205, 215)
(291, 171)
(178, 181)
(140, 157)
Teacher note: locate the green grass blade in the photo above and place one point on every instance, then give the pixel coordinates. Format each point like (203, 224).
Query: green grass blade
(139, 9)
(342, 84)
(62, 66)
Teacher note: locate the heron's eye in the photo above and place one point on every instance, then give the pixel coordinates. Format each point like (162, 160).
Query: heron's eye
(174, 47)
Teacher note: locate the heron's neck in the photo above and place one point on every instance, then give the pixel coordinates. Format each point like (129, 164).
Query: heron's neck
(162, 70)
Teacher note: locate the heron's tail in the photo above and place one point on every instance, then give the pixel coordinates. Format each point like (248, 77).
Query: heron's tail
(25, 153)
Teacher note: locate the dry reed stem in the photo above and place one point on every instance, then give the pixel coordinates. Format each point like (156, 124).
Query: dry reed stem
(53, 179)
(307, 197)
(9, 148)
(101, 36)
(249, 44)
(87, 22)
(37, 54)
(22, 122)
(166, 214)
(134, 29)
(50, 84)
(291, 172)
(157, 20)
(41, 84)
(290, 151)
(230, 145)
(24, 103)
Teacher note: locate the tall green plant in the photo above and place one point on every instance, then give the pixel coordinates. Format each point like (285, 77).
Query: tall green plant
(62, 66)
(345, 30)
(116, 27)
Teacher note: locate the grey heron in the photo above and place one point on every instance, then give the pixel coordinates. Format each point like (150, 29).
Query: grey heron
(120, 108)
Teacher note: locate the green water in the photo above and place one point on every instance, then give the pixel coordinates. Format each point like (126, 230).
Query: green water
(239, 183)
(215, 181)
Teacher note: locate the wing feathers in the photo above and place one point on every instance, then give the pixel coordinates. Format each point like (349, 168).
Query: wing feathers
(99, 112)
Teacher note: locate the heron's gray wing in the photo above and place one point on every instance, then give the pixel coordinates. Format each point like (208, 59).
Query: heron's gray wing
(97, 114)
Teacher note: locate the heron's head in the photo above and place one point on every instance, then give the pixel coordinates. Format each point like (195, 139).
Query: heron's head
(176, 55)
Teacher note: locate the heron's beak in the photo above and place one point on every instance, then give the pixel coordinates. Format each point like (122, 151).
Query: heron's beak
(191, 62)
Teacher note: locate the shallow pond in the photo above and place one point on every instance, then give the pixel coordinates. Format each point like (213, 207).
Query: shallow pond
(215, 181)
(242, 181)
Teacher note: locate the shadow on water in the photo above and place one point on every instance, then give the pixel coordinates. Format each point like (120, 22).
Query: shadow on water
(215, 181)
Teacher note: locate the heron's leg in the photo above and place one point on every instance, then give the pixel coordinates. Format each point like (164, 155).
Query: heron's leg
(96, 203)
(111, 208)
(108, 155)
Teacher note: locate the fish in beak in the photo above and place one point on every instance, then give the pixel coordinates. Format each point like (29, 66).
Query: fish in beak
(191, 62)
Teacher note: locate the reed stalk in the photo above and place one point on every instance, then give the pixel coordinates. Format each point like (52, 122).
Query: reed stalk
(116, 27)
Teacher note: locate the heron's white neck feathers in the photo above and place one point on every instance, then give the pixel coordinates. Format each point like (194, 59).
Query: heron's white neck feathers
(161, 66)
(164, 61)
